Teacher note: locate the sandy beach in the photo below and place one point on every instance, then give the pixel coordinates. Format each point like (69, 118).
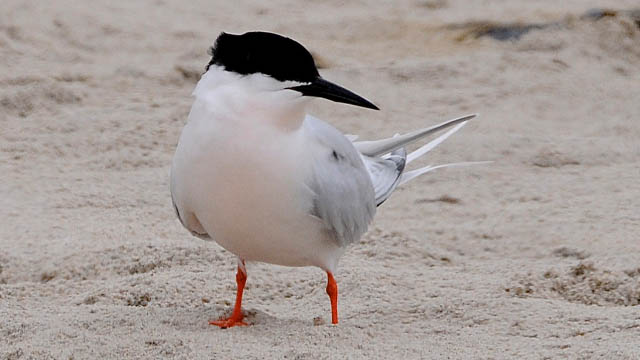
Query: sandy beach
(535, 256)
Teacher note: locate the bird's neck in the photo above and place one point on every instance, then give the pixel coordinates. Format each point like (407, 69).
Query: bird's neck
(255, 99)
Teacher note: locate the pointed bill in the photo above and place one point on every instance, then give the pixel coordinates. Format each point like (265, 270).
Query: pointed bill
(330, 91)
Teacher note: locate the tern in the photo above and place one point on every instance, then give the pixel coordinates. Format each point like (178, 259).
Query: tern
(269, 183)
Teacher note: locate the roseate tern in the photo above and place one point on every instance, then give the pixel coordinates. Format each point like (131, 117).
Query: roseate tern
(253, 172)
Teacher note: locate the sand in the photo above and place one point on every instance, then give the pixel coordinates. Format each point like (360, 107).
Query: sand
(534, 256)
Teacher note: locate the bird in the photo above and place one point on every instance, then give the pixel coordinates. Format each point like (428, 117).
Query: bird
(269, 183)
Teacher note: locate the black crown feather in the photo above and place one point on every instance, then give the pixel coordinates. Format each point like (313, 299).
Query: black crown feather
(267, 53)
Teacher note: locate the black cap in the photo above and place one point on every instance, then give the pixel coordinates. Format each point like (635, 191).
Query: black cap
(283, 59)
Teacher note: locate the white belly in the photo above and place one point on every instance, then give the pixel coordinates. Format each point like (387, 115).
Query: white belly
(246, 186)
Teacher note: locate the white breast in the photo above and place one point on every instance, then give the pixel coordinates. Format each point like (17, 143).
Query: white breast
(244, 181)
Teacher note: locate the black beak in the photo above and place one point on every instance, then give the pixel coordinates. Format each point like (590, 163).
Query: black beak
(325, 89)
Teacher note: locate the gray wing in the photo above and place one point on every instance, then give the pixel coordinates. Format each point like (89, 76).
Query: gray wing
(351, 179)
(385, 173)
(348, 186)
(343, 192)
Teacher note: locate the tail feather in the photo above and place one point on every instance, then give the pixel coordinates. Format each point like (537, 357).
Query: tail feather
(433, 143)
(379, 147)
(386, 159)
(399, 159)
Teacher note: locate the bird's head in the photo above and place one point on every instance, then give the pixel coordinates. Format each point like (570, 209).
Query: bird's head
(281, 62)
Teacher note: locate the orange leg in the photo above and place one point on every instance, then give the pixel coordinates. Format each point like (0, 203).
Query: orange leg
(332, 291)
(236, 317)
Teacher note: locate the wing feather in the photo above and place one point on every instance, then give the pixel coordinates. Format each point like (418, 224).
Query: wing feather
(344, 195)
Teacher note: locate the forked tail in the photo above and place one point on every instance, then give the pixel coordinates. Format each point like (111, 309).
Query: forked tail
(383, 157)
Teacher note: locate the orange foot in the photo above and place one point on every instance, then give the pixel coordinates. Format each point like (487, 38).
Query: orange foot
(227, 323)
(236, 317)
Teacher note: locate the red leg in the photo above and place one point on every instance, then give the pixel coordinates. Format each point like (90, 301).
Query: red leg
(332, 291)
(236, 317)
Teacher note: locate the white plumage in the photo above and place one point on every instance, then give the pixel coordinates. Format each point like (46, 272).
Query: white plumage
(266, 181)
(287, 190)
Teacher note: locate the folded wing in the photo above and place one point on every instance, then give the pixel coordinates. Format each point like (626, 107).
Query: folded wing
(344, 197)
